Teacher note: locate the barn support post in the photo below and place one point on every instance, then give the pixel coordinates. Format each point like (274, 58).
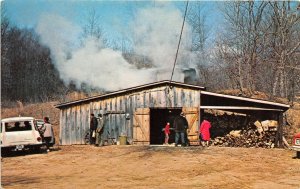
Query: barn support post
(61, 125)
(279, 133)
(201, 113)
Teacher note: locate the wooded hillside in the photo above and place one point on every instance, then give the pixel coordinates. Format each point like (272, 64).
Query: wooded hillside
(257, 50)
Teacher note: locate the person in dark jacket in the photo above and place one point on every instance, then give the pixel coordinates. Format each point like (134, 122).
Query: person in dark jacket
(99, 131)
(93, 127)
(180, 126)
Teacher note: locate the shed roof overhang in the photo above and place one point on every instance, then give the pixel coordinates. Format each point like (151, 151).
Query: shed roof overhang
(210, 100)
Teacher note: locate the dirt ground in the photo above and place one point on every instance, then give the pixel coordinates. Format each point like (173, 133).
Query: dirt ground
(84, 166)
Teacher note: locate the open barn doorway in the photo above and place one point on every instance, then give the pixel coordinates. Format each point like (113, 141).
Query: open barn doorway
(158, 119)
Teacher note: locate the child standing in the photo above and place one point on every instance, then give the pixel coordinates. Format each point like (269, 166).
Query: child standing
(167, 133)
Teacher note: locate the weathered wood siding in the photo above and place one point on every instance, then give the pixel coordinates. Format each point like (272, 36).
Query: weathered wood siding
(74, 120)
(74, 123)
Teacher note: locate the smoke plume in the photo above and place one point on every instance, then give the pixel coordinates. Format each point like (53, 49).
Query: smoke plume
(156, 33)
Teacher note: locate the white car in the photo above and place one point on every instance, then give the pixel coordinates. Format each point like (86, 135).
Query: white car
(19, 133)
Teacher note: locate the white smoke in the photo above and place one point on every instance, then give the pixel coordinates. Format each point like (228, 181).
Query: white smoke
(104, 68)
(156, 33)
(59, 35)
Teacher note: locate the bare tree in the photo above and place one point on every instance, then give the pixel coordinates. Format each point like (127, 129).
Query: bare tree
(5, 63)
(260, 46)
(27, 73)
(284, 42)
(242, 43)
(196, 17)
(93, 28)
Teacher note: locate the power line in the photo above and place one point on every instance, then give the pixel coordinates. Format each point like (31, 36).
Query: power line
(187, 3)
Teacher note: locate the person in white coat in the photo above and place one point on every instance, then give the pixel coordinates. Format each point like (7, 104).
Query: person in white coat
(48, 132)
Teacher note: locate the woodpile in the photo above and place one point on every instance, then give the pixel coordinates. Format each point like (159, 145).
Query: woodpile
(260, 134)
(240, 130)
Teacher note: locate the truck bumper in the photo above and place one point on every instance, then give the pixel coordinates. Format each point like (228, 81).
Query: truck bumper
(21, 147)
(296, 148)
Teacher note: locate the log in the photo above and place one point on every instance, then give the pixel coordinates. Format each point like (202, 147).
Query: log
(251, 135)
(286, 144)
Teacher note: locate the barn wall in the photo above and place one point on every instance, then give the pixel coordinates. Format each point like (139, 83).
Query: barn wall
(74, 120)
(74, 124)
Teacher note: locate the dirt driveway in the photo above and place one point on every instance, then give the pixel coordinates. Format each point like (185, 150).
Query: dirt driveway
(85, 166)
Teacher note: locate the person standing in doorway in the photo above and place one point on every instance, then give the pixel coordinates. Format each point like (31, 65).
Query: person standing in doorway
(167, 133)
(99, 131)
(93, 127)
(204, 132)
(48, 132)
(180, 125)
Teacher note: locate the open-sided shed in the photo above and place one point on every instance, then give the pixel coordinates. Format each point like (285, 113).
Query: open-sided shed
(260, 109)
(141, 112)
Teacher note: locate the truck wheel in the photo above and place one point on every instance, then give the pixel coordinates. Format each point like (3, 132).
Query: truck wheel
(36, 149)
(298, 154)
(5, 152)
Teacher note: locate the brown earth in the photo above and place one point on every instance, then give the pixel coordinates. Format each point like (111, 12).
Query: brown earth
(83, 166)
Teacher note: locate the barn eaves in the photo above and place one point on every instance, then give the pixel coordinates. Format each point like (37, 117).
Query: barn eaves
(129, 90)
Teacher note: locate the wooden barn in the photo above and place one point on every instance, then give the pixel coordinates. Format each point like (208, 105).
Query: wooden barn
(140, 112)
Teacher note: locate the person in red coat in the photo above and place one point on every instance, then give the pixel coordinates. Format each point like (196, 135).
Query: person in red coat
(167, 133)
(204, 132)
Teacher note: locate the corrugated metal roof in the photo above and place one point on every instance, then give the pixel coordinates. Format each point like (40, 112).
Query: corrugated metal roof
(160, 83)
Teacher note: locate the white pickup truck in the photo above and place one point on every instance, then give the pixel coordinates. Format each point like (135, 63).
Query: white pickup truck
(20, 133)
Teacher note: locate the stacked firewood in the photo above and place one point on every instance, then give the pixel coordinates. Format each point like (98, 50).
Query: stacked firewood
(240, 130)
(259, 134)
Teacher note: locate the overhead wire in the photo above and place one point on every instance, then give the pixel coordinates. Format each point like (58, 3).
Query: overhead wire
(176, 55)
(169, 103)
